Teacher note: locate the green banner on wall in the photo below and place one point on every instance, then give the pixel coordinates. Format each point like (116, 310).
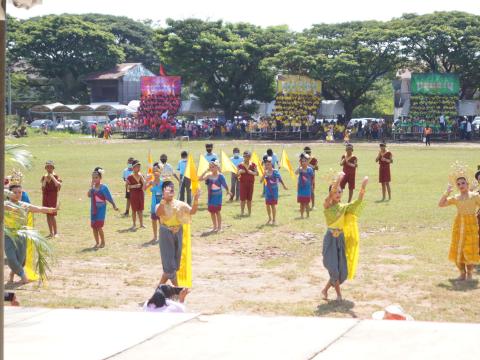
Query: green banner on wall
(435, 84)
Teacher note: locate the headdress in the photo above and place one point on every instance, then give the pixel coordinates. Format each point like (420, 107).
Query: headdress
(459, 170)
(15, 178)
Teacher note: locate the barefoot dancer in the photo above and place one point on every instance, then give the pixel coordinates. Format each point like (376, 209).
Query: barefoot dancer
(99, 194)
(126, 173)
(384, 159)
(136, 185)
(349, 163)
(246, 174)
(16, 215)
(271, 178)
(156, 189)
(215, 181)
(304, 188)
(313, 163)
(340, 244)
(464, 248)
(51, 185)
(173, 214)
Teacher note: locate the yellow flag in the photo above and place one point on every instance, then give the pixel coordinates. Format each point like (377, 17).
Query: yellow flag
(285, 163)
(150, 163)
(255, 159)
(191, 173)
(202, 165)
(227, 165)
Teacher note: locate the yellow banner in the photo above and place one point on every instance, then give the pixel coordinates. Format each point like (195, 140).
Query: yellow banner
(298, 84)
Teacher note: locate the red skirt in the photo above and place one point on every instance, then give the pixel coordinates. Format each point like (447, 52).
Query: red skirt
(384, 174)
(49, 199)
(303, 199)
(271, 202)
(246, 191)
(348, 179)
(137, 199)
(214, 209)
(97, 224)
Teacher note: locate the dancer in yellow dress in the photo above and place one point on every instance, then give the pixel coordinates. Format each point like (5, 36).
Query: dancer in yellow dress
(464, 248)
(341, 241)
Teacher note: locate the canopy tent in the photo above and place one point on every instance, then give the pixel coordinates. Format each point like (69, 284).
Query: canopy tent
(105, 108)
(331, 108)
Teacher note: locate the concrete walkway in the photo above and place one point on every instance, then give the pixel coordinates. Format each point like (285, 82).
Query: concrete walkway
(94, 335)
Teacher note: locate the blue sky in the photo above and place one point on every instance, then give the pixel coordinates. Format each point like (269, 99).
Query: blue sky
(297, 14)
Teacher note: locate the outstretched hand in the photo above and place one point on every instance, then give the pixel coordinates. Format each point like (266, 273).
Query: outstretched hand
(364, 182)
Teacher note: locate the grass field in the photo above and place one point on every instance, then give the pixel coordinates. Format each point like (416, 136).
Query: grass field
(250, 267)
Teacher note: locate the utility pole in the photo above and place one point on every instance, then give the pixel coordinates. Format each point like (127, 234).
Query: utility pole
(3, 34)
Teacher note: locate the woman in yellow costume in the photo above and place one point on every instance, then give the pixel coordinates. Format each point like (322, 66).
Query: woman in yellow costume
(175, 217)
(340, 243)
(464, 248)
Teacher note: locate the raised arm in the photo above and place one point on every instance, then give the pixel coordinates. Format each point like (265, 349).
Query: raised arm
(203, 176)
(195, 203)
(333, 190)
(361, 193)
(42, 209)
(444, 199)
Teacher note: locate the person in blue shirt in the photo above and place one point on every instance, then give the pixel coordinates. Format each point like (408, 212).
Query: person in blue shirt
(126, 173)
(155, 186)
(210, 155)
(184, 182)
(235, 184)
(274, 157)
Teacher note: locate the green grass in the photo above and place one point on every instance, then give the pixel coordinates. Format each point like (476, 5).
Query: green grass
(251, 267)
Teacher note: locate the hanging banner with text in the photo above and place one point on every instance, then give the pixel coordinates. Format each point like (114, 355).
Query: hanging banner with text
(435, 84)
(298, 84)
(165, 85)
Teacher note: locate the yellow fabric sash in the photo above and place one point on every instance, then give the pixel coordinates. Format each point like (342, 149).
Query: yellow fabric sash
(30, 268)
(184, 274)
(352, 240)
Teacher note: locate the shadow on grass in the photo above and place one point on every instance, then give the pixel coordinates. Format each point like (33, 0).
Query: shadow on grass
(89, 249)
(458, 285)
(123, 231)
(240, 216)
(149, 243)
(13, 285)
(334, 306)
(208, 233)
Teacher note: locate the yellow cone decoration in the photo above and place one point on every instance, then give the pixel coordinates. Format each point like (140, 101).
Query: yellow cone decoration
(286, 164)
(227, 165)
(191, 173)
(202, 165)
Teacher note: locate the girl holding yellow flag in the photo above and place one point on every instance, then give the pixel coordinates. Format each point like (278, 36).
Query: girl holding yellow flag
(173, 214)
(340, 243)
(271, 178)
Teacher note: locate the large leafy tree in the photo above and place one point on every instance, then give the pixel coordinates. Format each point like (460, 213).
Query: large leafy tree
(443, 42)
(64, 48)
(222, 62)
(349, 58)
(134, 37)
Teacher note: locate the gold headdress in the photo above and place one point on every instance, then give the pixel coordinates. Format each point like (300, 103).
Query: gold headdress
(331, 176)
(15, 178)
(459, 170)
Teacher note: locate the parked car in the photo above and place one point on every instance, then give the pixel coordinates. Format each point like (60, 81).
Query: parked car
(41, 123)
(100, 122)
(75, 125)
(476, 123)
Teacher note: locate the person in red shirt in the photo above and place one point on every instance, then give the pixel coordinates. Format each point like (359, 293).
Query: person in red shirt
(350, 164)
(51, 185)
(384, 159)
(246, 175)
(313, 163)
(93, 130)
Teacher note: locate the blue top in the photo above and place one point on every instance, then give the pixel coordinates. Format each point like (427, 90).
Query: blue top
(211, 156)
(182, 165)
(271, 186)
(215, 189)
(237, 160)
(25, 197)
(156, 191)
(305, 179)
(126, 173)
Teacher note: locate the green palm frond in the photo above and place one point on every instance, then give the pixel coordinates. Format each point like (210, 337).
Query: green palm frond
(15, 153)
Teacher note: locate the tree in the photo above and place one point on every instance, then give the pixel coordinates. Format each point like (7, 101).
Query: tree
(64, 48)
(349, 58)
(443, 42)
(222, 62)
(134, 37)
